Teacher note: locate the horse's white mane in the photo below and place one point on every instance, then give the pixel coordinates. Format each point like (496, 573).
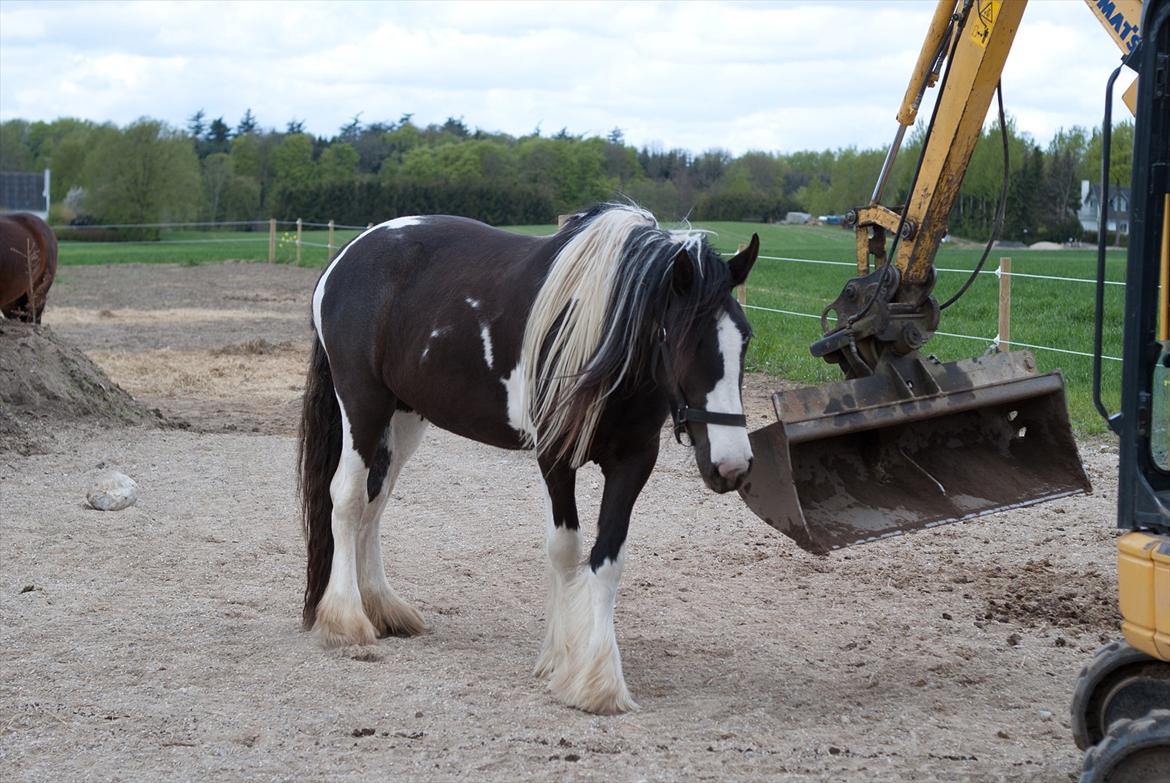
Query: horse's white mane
(571, 319)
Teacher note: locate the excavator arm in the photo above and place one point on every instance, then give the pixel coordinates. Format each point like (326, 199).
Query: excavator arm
(974, 37)
(906, 441)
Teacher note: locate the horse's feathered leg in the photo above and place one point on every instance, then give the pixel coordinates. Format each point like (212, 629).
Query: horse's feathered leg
(385, 609)
(341, 619)
(591, 678)
(563, 546)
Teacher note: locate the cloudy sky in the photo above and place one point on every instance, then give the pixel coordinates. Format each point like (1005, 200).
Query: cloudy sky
(736, 75)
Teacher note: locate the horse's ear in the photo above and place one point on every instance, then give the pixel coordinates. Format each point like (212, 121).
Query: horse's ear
(684, 272)
(741, 264)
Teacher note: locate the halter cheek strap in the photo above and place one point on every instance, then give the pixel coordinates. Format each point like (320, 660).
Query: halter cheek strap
(680, 412)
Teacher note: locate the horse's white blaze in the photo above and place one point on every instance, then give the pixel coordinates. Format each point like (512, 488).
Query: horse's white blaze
(563, 547)
(319, 291)
(730, 450)
(514, 391)
(486, 335)
(472, 302)
(590, 677)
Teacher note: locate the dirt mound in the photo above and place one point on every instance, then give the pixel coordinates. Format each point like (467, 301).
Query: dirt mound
(1038, 593)
(45, 380)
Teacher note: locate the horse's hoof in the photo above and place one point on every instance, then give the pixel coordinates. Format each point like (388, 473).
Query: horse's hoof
(342, 628)
(391, 616)
(595, 690)
(615, 703)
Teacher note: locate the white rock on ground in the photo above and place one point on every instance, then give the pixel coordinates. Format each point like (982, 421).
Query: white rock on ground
(112, 491)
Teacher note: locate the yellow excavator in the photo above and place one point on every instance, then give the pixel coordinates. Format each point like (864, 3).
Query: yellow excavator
(906, 442)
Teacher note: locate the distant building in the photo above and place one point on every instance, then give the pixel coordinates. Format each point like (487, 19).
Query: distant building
(1090, 211)
(797, 218)
(25, 191)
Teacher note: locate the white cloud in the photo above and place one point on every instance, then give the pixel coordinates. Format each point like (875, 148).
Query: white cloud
(781, 75)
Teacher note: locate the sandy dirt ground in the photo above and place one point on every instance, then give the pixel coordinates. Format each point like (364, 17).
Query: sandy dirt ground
(163, 642)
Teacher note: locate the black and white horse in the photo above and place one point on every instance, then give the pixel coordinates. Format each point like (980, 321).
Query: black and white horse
(577, 345)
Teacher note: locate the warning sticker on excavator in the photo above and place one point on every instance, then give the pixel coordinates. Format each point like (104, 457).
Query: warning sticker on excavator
(983, 20)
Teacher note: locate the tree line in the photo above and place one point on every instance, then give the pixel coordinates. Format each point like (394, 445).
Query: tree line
(150, 172)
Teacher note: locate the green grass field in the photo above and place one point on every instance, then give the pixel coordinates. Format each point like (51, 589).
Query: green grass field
(1044, 312)
(198, 247)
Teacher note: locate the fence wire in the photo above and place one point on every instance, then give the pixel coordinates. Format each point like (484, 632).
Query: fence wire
(993, 341)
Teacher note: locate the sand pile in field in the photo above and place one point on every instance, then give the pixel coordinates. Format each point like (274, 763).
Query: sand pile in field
(45, 381)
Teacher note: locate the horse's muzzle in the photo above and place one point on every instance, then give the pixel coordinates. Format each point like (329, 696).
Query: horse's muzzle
(726, 478)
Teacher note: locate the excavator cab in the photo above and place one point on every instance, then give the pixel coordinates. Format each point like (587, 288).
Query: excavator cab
(905, 441)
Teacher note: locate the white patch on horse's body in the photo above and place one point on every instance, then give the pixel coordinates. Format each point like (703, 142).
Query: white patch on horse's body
(514, 391)
(319, 291)
(383, 606)
(401, 222)
(340, 617)
(563, 547)
(473, 303)
(590, 676)
(731, 452)
(486, 335)
(435, 333)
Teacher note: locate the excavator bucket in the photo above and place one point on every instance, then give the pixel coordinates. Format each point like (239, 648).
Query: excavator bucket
(918, 444)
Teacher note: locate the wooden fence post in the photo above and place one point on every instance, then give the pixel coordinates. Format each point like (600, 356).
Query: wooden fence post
(329, 252)
(741, 291)
(271, 240)
(1005, 304)
(300, 230)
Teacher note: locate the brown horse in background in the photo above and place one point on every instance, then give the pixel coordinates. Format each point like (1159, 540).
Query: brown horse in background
(28, 263)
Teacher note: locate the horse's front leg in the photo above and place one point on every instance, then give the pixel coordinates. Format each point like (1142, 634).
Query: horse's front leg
(590, 678)
(562, 543)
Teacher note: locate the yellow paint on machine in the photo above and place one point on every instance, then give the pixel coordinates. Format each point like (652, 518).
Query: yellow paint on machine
(983, 20)
(1143, 586)
(1122, 20)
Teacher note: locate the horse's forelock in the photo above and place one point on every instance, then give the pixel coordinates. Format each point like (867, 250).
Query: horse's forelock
(702, 303)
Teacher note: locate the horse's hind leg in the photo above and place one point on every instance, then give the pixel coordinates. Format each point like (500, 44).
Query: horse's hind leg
(385, 609)
(341, 618)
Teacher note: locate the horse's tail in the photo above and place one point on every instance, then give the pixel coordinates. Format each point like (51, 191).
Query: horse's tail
(319, 450)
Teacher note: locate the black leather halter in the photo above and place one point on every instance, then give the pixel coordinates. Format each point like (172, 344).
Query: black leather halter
(680, 412)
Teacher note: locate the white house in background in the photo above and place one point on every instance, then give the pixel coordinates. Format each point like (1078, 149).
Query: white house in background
(25, 191)
(1090, 211)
